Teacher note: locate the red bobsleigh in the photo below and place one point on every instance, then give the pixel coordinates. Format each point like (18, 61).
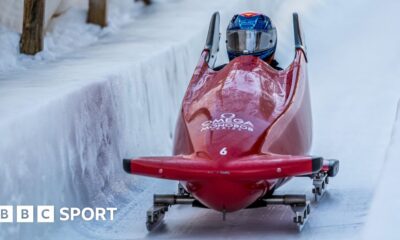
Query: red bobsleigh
(243, 131)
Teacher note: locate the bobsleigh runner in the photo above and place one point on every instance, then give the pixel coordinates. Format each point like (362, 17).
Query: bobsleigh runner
(243, 131)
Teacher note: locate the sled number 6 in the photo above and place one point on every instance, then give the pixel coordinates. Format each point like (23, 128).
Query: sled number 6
(223, 151)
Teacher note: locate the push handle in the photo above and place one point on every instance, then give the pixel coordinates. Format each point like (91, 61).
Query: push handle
(212, 42)
(299, 40)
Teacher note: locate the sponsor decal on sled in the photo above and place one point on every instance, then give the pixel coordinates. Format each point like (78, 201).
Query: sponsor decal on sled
(227, 121)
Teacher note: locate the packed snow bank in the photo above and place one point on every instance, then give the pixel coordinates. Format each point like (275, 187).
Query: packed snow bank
(11, 16)
(12, 13)
(68, 123)
(65, 33)
(384, 213)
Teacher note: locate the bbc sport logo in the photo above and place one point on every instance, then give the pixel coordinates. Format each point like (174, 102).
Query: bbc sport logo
(47, 214)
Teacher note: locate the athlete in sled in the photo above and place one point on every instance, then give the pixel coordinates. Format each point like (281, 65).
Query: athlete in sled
(244, 128)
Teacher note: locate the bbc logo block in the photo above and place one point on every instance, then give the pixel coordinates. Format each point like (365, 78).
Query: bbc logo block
(26, 214)
(6, 214)
(45, 214)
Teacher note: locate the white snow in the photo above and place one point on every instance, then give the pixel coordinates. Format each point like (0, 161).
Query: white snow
(12, 13)
(63, 34)
(70, 116)
(384, 212)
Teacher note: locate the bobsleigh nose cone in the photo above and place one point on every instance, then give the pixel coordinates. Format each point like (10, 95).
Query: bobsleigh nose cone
(226, 196)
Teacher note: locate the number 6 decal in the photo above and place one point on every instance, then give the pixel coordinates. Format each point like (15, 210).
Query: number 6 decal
(223, 151)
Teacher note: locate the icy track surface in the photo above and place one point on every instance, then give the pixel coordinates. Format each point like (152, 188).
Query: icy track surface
(66, 125)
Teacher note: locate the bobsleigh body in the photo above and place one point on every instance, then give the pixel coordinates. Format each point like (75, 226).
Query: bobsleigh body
(242, 114)
(242, 132)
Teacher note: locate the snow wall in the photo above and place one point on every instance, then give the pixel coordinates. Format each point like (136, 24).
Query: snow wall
(61, 32)
(67, 127)
(384, 215)
(12, 12)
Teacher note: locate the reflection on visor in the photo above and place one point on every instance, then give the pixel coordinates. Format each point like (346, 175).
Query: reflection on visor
(250, 41)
